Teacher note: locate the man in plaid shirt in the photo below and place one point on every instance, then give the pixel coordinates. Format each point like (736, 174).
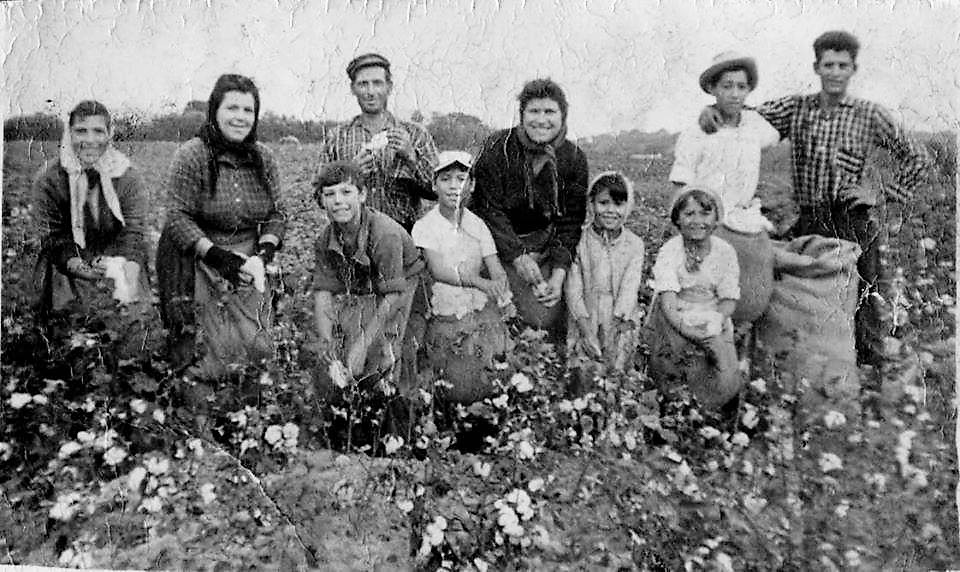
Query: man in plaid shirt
(396, 158)
(832, 134)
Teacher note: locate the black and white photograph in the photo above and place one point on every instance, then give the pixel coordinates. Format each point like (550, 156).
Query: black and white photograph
(513, 285)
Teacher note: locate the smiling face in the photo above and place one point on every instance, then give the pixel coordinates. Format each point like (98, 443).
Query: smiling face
(835, 70)
(343, 202)
(542, 120)
(236, 115)
(609, 214)
(372, 89)
(449, 186)
(696, 219)
(731, 90)
(90, 137)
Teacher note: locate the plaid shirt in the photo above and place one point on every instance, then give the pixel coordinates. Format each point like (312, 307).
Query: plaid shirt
(241, 209)
(830, 146)
(346, 141)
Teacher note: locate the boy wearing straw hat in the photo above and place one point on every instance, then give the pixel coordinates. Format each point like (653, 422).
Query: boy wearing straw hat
(728, 162)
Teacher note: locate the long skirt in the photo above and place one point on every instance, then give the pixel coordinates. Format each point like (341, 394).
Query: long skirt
(710, 371)
(461, 352)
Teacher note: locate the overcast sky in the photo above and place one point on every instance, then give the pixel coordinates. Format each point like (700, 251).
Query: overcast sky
(624, 65)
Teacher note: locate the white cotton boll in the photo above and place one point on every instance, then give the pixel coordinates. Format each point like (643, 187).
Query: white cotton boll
(135, 478)
(68, 448)
(521, 382)
(377, 142)
(207, 494)
(253, 267)
(125, 275)
(18, 400)
(274, 435)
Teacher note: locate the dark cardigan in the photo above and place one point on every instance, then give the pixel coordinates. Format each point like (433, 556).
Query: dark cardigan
(500, 199)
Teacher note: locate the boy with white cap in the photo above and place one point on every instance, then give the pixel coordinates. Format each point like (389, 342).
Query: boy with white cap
(457, 246)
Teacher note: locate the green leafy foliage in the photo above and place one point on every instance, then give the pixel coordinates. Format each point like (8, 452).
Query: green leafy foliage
(110, 459)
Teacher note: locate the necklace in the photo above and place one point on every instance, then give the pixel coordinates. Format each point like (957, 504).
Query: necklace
(694, 255)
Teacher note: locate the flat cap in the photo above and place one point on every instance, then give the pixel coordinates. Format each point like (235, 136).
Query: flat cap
(365, 61)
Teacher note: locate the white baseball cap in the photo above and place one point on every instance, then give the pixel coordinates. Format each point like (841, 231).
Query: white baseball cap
(448, 158)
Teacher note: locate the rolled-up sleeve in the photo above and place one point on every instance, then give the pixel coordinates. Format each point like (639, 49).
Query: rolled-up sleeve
(909, 152)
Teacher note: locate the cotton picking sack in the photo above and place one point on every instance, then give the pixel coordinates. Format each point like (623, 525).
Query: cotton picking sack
(755, 256)
(808, 325)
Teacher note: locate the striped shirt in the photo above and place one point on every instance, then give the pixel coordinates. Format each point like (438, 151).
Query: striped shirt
(345, 142)
(241, 209)
(830, 146)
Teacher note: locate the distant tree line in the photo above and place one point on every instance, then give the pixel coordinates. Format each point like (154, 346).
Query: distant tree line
(449, 131)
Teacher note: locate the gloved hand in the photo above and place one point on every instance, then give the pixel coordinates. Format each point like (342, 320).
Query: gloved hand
(266, 251)
(225, 262)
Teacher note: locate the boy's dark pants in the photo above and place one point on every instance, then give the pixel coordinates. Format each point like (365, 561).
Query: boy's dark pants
(857, 225)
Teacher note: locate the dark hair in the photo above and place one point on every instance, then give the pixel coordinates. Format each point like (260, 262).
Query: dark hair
(613, 184)
(246, 150)
(543, 88)
(335, 173)
(703, 198)
(837, 41)
(234, 82)
(86, 109)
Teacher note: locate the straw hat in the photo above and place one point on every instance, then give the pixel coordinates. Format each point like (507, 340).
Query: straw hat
(726, 61)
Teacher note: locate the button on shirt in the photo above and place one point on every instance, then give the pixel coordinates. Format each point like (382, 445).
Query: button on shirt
(462, 247)
(830, 146)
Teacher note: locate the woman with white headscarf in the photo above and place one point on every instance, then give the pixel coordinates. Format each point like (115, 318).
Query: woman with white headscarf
(91, 210)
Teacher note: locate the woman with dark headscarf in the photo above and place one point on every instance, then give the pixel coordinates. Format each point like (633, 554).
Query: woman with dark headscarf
(223, 225)
(91, 210)
(531, 185)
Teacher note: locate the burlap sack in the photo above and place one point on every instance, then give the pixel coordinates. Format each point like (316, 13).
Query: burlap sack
(755, 255)
(809, 324)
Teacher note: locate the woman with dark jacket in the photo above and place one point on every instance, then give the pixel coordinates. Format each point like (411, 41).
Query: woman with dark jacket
(224, 223)
(91, 210)
(531, 185)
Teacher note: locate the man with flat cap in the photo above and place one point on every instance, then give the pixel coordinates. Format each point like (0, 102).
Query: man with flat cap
(396, 158)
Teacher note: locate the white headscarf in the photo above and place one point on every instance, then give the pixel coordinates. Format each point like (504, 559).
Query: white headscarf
(631, 198)
(111, 164)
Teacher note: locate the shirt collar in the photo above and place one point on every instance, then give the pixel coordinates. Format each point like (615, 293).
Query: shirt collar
(391, 122)
(845, 101)
(334, 244)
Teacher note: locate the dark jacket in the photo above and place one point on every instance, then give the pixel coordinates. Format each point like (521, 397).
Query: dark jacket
(108, 236)
(500, 198)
